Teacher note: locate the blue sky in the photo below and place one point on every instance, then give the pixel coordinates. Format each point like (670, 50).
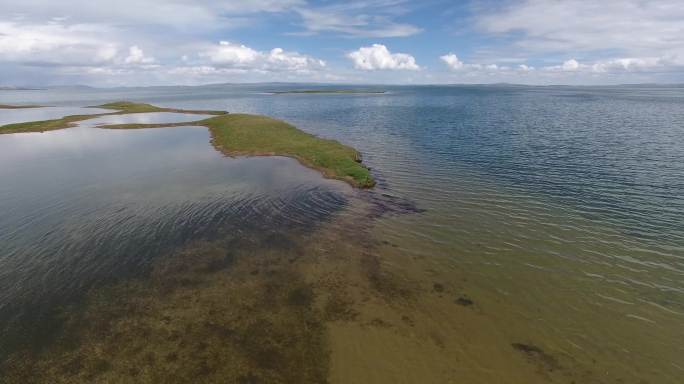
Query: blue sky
(150, 42)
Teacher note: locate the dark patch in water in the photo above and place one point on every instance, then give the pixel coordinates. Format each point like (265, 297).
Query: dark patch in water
(302, 296)
(464, 301)
(382, 204)
(378, 322)
(383, 282)
(537, 355)
(409, 321)
(339, 308)
(437, 287)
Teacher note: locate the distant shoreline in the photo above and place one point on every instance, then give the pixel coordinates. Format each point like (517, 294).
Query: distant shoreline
(5, 106)
(329, 91)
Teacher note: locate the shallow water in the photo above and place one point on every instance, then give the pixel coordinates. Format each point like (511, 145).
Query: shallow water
(89, 205)
(550, 248)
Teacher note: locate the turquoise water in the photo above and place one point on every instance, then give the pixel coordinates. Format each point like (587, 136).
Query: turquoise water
(564, 204)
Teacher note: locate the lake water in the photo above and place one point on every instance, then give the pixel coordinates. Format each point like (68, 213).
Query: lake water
(517, 234)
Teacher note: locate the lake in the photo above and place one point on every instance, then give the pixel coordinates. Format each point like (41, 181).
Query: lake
(516, 234)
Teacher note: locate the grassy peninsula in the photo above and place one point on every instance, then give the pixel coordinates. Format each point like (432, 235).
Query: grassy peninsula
(254, 135)
(237, 134)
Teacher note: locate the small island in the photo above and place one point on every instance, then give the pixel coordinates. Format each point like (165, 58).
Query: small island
(236, 134)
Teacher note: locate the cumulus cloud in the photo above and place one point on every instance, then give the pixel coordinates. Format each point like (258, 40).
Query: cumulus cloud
(378, 57)
(452, 61)
(137, 56)
(231, 55)
(455, 64)
(227, 53)
(570, 65)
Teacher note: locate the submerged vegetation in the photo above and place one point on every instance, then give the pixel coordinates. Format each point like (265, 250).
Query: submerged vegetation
(237, 134)
(208, 313)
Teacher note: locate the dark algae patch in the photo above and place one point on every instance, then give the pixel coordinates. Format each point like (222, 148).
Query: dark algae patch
(537, 356)
(465, 301)
(190, 323)
(238, 134)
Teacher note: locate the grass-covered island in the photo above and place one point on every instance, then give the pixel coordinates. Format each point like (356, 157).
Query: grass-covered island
(236, 134)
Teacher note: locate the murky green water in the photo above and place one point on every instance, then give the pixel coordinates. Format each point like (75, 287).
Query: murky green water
(516, 235)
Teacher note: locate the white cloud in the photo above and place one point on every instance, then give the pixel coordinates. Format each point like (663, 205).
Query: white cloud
(230, 55)
(137, 56)
(570, 65)
(618, 65)
(366, 18)
(357, 19)
(278, 58)
(378, 56)
(452, 61)
(632, 27)
(455, 64)
(55, 44)
(634, 64)
(174, 14)
(227, 53)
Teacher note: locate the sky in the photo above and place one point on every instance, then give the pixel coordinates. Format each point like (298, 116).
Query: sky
(178, 42)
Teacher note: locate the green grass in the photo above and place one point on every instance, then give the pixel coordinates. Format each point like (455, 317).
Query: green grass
(237, 134)
(46, 125)
(259, 135)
